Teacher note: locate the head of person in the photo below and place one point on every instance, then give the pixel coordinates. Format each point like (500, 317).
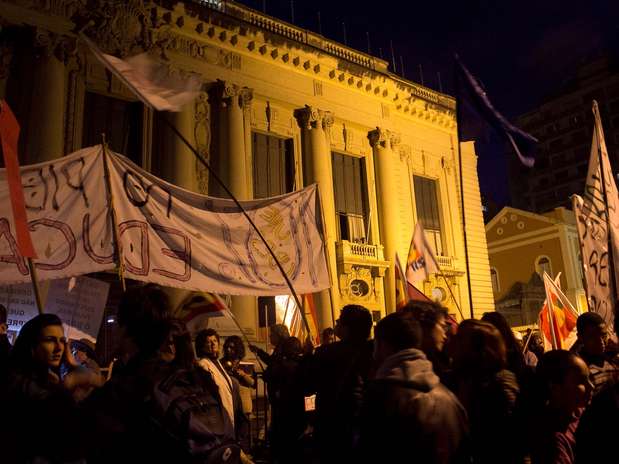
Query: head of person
(563, 378)
(143, 319)
(278, 333)
(536, 344)
(394, 333)
(328, 336)
(234, 348)
(207, 344)
(292, 348)
(3, 319)
(592, 333)
(354, 324)
(515, 359)
(432, 318)
(40, 346)
(478, 348)
(177, 347)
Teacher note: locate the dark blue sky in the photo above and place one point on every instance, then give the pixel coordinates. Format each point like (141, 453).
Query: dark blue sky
(520, 50)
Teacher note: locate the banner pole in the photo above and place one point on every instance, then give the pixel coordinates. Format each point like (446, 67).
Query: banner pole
(459, 137)
(35, 285)
(110, 202)
(223, 185)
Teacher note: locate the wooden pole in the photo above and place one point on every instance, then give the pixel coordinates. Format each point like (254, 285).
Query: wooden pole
(110, 201)
(35, 285)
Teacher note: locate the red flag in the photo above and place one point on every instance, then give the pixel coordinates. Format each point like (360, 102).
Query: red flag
(310, 314)
(404, 290)
(9, 135)
(557, 325)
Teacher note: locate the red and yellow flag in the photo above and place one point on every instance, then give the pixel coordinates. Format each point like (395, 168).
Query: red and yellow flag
(557, 320)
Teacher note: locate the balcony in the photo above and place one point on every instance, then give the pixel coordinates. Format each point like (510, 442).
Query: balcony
(449, 265)
(351, 254)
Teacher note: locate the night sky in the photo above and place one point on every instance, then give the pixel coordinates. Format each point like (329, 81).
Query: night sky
(520, 50)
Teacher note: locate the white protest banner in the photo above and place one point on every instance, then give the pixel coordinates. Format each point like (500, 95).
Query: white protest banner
(79, 302)
(20, 306)
(598, 209)
(168, 235)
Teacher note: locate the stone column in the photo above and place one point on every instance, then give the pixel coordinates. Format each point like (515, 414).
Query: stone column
(233, 169)
(315, 125)
(47, 113)
(178, 165)
(383, 143)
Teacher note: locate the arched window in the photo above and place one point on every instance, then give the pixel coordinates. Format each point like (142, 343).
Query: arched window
(494, 277)
(543, 264)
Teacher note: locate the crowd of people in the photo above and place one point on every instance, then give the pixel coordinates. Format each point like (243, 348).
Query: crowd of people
(420, 391)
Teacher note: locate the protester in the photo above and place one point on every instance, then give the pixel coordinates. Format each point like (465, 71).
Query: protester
(5, 344)
(328, 336)
(432, 318)
(406, 410)
(488, 392)
(515, 358)
(536, 344)
(338, 374)
(146, 412)
(564, 390)
(591, 347)
(40, 414)
(288, 420)
(234, 353)
(278, 333)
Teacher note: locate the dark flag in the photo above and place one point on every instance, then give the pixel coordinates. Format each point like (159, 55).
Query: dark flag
(467, 86)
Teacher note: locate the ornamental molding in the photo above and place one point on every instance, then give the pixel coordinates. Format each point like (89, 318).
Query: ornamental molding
(312, 118)
(384, 138)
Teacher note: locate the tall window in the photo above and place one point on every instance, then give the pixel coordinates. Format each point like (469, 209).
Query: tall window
(428, 212)
(120, 121)
(351, 197)
(494, 277)
(273, 165)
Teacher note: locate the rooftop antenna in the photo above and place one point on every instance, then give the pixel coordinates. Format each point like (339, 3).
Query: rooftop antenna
(440, 82)
(344, 31)
(292, 11)
(264, 6)
(392, 56)
(402, 66)
(367, 35)
(319, 24)
(421, 74)
(380, 53)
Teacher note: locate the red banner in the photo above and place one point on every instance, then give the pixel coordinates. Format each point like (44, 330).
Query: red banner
(9, 135)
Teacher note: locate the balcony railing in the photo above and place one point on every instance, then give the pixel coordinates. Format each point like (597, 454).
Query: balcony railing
(445, 262)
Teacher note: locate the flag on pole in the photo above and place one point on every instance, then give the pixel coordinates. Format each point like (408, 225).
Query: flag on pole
(597, 221)
(421, 261)
(557, 319)
(310, 314)
(404, 290)
(9, 136)
(150, 80)
(522, 142)
(196, 310)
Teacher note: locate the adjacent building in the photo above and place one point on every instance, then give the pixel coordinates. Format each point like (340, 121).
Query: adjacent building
(564, 126)
(521, 247)
(281, 107)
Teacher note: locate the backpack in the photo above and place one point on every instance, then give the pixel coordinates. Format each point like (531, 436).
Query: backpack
(185, 406)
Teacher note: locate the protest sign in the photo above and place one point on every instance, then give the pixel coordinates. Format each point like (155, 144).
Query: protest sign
(168, 235)
(79, 302)
(20, 305)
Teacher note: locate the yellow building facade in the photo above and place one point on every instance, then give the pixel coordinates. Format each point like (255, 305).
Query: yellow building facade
(281, 107)
(521, 244)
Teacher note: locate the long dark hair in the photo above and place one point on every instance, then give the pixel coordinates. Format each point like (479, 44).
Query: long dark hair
(515, 358)
(21, 358)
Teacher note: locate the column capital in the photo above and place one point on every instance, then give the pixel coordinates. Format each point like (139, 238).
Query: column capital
(383, 138)
(52, 44)
(313, 118)
(229, 93)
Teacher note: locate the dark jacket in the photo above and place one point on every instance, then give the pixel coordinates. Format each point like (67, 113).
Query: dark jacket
(408, 412)
(338, 375)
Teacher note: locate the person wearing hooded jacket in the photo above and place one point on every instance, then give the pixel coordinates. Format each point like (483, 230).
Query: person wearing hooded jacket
(406, 410)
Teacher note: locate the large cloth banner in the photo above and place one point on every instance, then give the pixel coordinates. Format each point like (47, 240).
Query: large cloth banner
(168, 235)
(592, 220)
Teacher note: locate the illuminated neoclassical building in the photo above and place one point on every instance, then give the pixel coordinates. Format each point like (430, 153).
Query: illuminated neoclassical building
(282, 107)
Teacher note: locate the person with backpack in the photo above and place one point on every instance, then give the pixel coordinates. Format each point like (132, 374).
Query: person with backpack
(154, 409)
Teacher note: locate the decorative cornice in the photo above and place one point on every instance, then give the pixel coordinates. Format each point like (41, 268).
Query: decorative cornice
(229, 93)
(52, 44)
